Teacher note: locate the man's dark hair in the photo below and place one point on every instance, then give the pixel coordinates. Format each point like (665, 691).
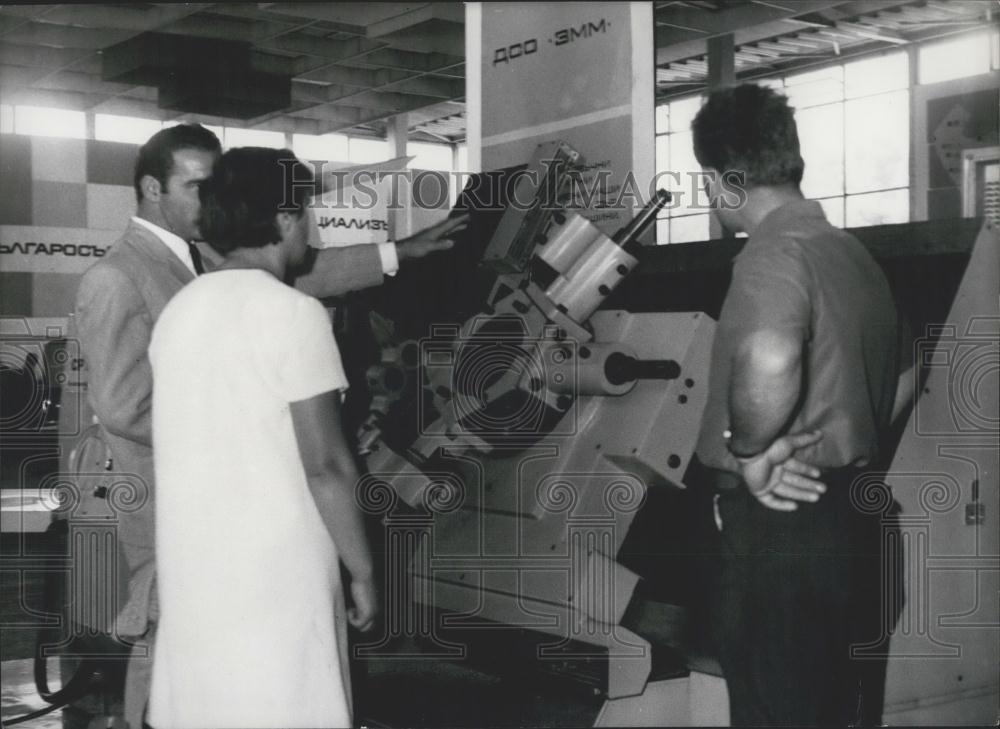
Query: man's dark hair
(156, 156)
(248, 188)
(749, 129)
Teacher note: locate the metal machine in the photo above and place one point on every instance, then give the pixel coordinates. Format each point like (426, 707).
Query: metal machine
(517, 455)
(527, 459)
(540, 425)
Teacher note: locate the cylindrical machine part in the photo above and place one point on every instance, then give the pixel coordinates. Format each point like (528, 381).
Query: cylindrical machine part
(386, 379)
(582, 370)
(594, 275)
(409, 354)
(596, 272)
(568, 242)
(628, 235)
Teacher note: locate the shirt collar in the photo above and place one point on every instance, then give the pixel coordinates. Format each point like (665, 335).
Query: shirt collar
(796, 210)
(177, 245)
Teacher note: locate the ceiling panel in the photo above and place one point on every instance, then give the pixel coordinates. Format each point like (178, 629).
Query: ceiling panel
(353, 65)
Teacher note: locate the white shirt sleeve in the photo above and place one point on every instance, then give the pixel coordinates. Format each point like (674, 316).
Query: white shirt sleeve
(309, 363)
(390, 261)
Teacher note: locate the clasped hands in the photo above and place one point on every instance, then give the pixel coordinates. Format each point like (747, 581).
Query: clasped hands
(778, 479)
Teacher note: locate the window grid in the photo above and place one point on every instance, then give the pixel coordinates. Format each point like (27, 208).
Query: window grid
(117, 128)
(44, 121)
(50, 122)
(838, 90)
(6, 119)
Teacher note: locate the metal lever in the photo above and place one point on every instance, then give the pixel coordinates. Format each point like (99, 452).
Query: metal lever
(975, 512)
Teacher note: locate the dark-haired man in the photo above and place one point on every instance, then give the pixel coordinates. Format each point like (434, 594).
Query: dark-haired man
(806, 341)
(118, 302)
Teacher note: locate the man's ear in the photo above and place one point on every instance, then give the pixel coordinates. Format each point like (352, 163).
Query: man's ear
(284, 223)
(151, 189)
(708, 179)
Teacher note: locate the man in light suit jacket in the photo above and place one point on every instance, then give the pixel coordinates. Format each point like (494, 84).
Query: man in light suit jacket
(119, 301)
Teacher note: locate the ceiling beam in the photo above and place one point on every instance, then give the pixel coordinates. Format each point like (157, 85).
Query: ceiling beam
(340, 117)
(322, 48)
(747, 23)
(33, 96)
(442, 88)
(26, 11)
(451, 12)
(271, 63)
(20, 54)
(160, 15)
(867, 31)
(411, 61)
(346, 76)
(404, 82)
(66, 36)
(273, 11)
(128, 106)
(55, 60)
(341, 121)
(434, 36)
(209, 25)
(455, 71)
(64, 80)
(383, 100)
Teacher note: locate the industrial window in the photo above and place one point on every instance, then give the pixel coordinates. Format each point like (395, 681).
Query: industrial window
(686, 219)
(48, 122)
(115, 128)
(361, 151)
(236, 137)
(945, 60)
(326, 147)
(853, 121)
(428, 156)
(854, 135)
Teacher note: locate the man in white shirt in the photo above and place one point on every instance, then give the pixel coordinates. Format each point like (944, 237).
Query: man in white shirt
(118, 303)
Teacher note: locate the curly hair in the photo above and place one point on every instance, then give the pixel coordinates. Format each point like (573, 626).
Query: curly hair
(248, 188)
(749, 129)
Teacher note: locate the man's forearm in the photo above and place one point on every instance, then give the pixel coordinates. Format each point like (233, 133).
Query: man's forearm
(337, 271)
(764, 388)
(904, 393)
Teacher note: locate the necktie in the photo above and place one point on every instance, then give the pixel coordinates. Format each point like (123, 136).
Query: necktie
(199, 268)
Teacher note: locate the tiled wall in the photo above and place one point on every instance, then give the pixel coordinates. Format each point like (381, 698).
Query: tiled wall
(62, 201)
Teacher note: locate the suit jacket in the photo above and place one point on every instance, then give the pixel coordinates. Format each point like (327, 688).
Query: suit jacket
(118, 302)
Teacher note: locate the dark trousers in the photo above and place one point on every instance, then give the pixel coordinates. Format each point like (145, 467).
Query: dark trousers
(794, 592)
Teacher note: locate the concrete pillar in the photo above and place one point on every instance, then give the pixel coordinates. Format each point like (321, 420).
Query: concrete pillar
(397, 133)
(721, 61)
(721, 72)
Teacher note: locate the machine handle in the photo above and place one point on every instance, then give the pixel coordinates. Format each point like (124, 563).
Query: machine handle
(621, 368)
(628, 235)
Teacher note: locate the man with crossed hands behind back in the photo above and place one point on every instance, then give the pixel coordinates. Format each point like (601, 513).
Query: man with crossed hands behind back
(806, 343)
